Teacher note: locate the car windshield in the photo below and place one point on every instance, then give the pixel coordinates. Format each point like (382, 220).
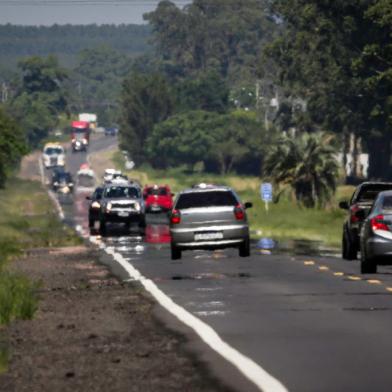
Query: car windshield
(206, 199)
(53, 150)
(115, 192)
(159, 191)
(370, 193)
(63, 177)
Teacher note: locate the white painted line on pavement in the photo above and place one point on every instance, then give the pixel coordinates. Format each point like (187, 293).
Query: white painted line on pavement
(41, 170)
(250, 369)
(59, 209)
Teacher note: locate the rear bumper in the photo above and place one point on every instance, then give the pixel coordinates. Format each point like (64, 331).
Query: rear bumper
(379, 248)
(233, 236)
(114, 217)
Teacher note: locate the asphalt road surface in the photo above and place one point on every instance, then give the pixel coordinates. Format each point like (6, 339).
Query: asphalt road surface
(312, 322)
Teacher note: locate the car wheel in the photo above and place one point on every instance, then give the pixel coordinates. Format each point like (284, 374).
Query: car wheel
(368, 266)
(244, 249)
(349, 250)
(175, 253)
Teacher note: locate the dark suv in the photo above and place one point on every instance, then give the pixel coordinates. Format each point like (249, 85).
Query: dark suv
(122, 202)
(358, 207)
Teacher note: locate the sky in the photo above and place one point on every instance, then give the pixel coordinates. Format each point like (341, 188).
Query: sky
(49, 12)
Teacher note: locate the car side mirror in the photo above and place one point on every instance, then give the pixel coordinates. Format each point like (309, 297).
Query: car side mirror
(344, 205)
(88, 198)
(248, 205)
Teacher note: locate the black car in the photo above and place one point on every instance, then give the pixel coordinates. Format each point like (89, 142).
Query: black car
(122, 202)
(94, 207)
(358, 208)
(62, 181)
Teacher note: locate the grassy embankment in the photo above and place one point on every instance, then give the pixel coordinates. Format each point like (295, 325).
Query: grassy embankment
(27, 220)
(285, 220)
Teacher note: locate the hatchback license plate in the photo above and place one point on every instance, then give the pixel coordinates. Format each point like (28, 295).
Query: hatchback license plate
(209, 236)
(123, 214)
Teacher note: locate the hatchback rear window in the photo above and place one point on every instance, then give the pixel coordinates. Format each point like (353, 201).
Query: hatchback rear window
(370, 193)
(387, 203)
(206, 199)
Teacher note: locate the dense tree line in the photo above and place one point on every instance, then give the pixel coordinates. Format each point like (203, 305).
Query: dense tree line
(67, 41)
(336, 55)
(12, 145)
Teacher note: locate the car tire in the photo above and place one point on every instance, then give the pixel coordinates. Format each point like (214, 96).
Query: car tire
(244, 248)
(103, 228)
(349, 250)
(176, 253)
(368, 265)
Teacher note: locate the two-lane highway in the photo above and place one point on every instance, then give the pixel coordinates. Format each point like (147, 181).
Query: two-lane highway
(313, 323)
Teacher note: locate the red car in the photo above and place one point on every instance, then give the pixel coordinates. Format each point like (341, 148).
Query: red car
(158, 198)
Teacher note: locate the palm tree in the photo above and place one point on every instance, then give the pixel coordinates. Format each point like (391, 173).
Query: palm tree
(307, 163)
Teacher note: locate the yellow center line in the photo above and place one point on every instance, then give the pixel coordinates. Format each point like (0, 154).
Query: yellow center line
(353, 277)
(374, 281)
(323, 268)
(389, 289)
(309, 262)
(338, 273)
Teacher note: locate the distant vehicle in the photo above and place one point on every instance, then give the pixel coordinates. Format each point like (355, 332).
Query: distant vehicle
(110, 174)
(62, 181)
(94, 207)
(85, 178)
(111, 131)
(158, 198)
(122, 202)
(53, 155)
(361, 200)
(376, 234)
(209, 217)
(80, 136)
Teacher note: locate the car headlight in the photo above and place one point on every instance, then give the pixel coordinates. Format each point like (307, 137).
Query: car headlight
(137, 206)
(95, 204)
(56, 183)
(108, 207)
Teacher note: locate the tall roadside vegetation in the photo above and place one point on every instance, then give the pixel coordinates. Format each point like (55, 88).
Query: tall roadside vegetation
(202, 53)
(336, 56)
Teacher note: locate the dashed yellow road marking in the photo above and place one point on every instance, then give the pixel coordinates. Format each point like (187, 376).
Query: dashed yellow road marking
(374, 281)
(309, 262)
(338, 273)
(353, 277)
(389, 289)
(323, 268)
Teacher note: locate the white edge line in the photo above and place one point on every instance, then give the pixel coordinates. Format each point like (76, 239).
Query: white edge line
(56, 203)
(250, 369)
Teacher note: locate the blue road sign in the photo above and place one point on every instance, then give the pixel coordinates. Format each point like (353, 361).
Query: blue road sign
(266, 191)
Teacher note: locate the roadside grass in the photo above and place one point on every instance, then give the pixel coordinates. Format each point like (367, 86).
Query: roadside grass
(285, 220)
(27, 220)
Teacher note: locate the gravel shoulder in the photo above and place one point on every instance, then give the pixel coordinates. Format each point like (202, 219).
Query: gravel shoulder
(93, 333)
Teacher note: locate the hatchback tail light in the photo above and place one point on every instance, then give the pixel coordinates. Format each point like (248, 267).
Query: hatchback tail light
(239, 212)
(378, 223)
(175, 218)
(353, 214)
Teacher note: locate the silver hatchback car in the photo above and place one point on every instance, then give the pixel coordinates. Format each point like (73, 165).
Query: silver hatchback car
(376, 234)
(209, 217)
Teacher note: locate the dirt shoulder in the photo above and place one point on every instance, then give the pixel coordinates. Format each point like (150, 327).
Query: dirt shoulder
(93, 333)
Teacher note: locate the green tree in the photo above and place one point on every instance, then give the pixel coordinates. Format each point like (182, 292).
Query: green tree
(12, 145)
(145, 101)
(222, 142)
(336, 55)
(96, 82)
(307, 163)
